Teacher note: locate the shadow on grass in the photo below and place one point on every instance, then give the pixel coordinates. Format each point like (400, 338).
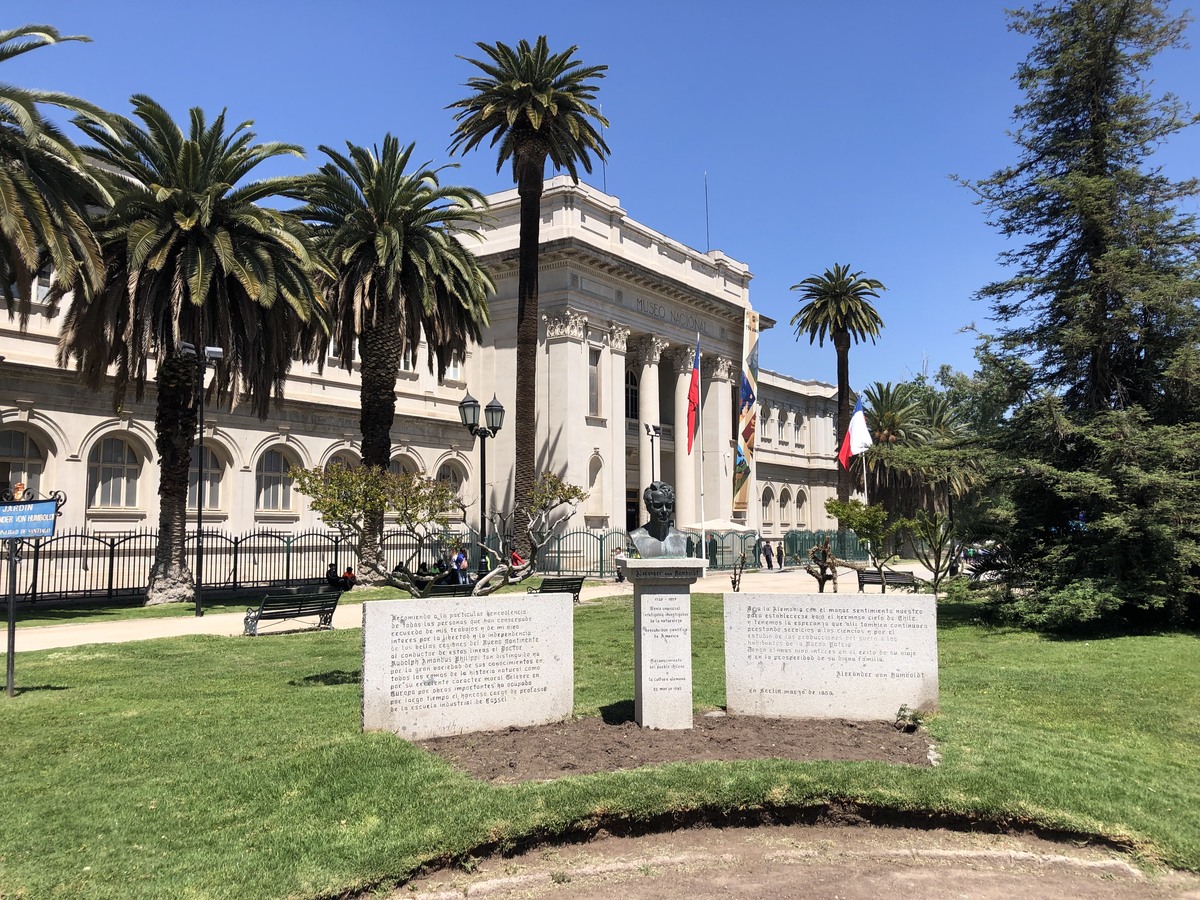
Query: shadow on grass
(617, 713)
(18, 690)
(337, 676)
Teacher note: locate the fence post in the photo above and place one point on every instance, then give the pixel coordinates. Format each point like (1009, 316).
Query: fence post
(112, 565)
(37, 556)
(287, 562)
(237, 543)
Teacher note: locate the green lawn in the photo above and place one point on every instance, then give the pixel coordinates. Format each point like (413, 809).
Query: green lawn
(213, 767)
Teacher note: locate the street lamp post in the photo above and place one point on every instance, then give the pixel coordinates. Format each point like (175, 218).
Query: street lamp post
(201, 359)
(493, 414)
(652, 432)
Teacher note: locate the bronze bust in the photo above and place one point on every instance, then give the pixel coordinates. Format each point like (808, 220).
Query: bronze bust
(659, 537)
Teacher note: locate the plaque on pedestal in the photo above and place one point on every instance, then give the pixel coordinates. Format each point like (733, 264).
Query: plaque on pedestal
(662, 639)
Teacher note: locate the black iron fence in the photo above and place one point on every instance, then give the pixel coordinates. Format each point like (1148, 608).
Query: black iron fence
(79, 565)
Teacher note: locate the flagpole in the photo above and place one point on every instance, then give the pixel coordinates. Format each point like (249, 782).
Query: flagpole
(700, 441)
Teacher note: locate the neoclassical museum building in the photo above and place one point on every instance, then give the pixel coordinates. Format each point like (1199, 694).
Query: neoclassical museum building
(621, 307)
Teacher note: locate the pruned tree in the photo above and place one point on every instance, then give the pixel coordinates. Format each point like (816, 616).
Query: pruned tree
(552, 503)
(822, 565)
(871, 526)
(935, 543)
(350, 498)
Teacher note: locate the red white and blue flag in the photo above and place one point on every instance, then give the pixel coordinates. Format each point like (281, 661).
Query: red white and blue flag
(858, 436)
(694, 397)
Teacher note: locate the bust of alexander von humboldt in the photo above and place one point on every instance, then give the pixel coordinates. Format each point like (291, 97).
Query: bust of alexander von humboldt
(659, 537)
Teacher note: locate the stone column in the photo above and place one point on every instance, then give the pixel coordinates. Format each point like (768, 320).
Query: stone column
(566, 357)
(617, 340)
(649, 349)
(720, 441)
(686, 496)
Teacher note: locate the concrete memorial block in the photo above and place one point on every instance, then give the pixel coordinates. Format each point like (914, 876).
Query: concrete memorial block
(439, 667)
(825, 656)
(662, 639)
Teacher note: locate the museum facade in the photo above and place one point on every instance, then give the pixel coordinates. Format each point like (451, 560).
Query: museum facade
(622, 308)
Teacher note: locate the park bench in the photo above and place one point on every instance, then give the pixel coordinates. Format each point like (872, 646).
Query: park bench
(281, 607)
(454, 589)
(560, 584)
(894, 579)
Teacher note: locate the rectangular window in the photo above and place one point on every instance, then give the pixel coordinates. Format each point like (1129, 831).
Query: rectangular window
(593, 382)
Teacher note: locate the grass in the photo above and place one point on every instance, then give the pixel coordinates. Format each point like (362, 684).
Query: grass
(205, 766)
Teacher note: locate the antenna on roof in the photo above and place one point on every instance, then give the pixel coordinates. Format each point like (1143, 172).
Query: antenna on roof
(707, 239)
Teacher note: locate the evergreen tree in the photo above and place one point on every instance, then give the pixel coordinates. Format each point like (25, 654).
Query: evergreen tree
(1101, 480)
(1103, 291)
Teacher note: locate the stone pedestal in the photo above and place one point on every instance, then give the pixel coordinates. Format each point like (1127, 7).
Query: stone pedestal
(662, 639)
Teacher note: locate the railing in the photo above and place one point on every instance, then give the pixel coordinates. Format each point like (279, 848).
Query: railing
(78, 565)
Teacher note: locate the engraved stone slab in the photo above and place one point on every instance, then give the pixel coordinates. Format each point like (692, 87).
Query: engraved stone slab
(662, 640)
(825, 656)
(438, 667)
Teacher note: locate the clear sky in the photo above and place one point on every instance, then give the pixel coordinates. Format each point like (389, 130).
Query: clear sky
(828, 130)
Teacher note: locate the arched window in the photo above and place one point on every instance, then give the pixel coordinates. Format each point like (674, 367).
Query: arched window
(595, 500)
(781, 419)
(113, 469)
(402, 465)
(631, 394)
(21, 460)
(348, 460)
(205, 470)
(801, 512)
(768, 507)
(785, 508)
(272, 484)
(451, 473)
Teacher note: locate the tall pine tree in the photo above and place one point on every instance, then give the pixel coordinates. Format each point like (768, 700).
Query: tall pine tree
(1102, 302)
(1103, 291)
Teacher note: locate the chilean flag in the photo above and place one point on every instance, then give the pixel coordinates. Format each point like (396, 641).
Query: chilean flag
(858, 436)
(694, 397)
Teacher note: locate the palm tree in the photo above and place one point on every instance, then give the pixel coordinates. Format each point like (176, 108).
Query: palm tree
(391, 238)
(190, 255)
(45, 186)
(534, 105)
(837, 303)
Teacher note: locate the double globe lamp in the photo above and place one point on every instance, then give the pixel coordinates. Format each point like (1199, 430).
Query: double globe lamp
(493, 415)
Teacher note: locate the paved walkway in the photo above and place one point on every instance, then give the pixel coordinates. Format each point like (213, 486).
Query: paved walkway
(349, 613)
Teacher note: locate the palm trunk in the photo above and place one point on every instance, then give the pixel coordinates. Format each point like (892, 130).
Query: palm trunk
(379, 354)
(529, 185)
(175, 428)
(841, 343)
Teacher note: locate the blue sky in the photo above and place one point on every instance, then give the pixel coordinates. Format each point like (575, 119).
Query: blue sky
(828, 130)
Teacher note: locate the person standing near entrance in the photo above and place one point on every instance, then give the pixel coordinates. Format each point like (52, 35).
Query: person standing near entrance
(767, 554)
(779, 557)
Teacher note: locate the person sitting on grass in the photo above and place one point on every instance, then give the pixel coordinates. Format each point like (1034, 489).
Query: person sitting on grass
(332, 579)
(349, 579)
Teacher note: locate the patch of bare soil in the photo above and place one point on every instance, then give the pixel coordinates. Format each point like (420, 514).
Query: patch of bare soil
(816, 862)
(583, 746)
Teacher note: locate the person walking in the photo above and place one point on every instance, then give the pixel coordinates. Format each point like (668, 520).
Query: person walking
(767, 555)
(779, 557)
